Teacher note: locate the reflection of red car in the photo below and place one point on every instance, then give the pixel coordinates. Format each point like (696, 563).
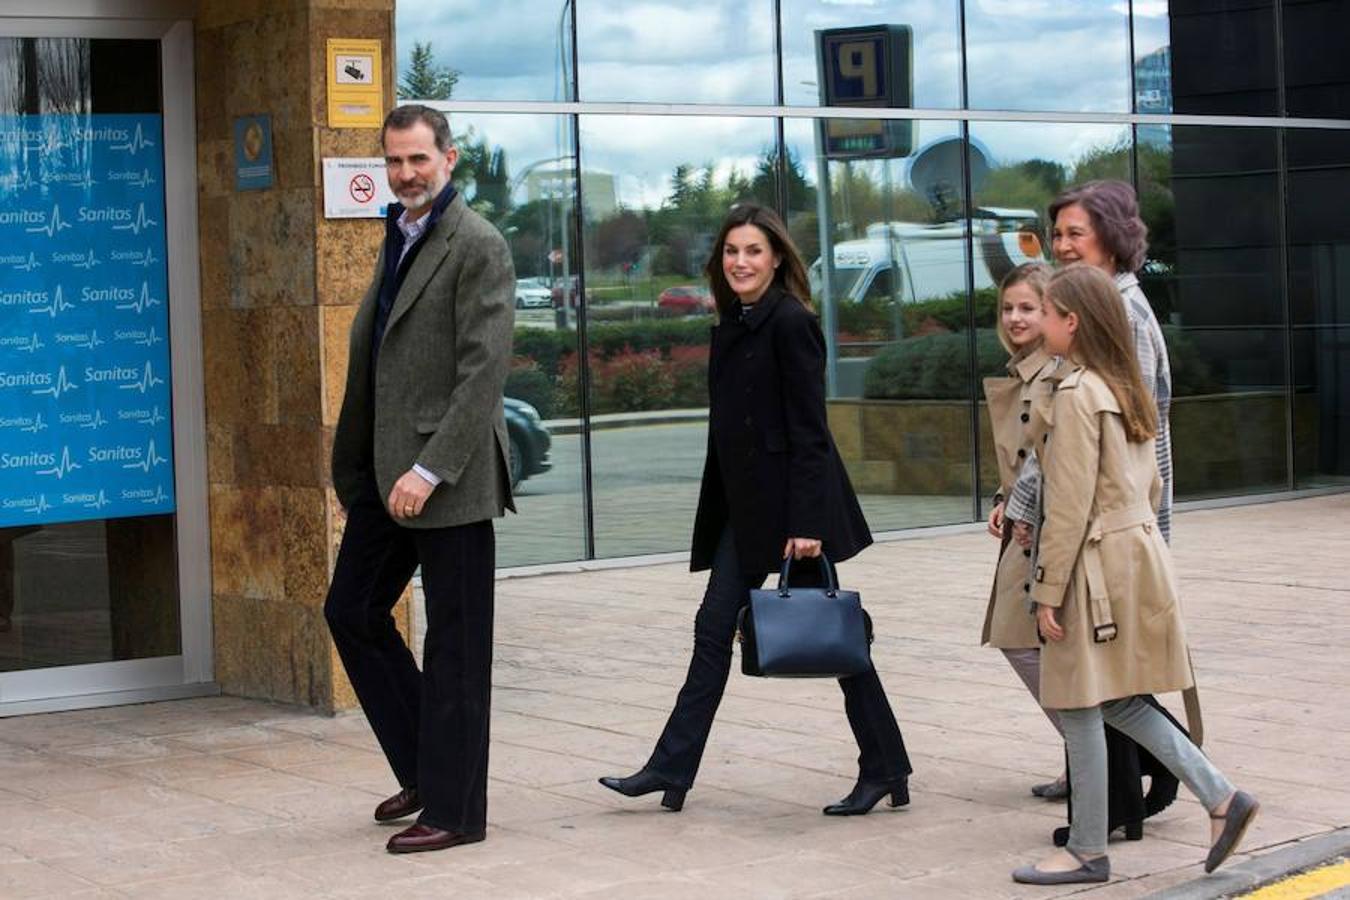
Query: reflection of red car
(557, 293)
(685, 300)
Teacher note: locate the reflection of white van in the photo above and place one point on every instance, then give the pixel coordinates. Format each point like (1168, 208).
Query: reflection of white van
(912, 262)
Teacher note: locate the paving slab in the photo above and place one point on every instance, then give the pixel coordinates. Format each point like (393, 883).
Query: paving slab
(227, 797)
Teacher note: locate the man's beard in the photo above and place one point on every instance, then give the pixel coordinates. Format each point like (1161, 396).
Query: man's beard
(422, 197)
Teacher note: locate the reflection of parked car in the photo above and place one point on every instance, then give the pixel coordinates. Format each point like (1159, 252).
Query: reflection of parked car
(915, 262)
(530, 440)
(532, 293)
(685, 300)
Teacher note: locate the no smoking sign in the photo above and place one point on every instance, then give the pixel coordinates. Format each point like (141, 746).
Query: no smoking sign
(362, 188)
(355, 188)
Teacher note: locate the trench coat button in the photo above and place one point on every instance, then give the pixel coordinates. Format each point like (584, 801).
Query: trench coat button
(1026, 552)
(1027, 588)
(1026, 417)
(1021, 453)
(1044, 438)
(749, 420)
(750, 354)
(1148, 526)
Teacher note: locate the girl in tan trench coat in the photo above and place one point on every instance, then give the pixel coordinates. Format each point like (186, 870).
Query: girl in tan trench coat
(1017, 404)
(1106, 595)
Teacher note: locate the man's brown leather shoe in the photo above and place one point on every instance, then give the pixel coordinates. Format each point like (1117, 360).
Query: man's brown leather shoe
(418, 838)
(404, 803)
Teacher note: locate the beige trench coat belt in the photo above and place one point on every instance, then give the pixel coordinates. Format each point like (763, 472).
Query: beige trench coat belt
(1099, 597)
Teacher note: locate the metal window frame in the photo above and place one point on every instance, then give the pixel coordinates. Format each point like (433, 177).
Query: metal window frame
(191, 672)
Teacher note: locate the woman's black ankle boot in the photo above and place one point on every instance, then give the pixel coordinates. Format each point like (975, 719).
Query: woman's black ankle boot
(865, 795)
(644, 782)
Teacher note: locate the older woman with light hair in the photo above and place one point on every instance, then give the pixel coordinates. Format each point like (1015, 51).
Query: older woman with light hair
(1098, 223)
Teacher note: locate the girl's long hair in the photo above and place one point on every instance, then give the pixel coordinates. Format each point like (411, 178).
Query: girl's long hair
(791, 272)
(1104, 342)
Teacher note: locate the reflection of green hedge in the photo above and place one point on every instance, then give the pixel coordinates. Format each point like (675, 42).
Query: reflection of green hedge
(937, 366)
(550, 347)
(545, 347)
(931, 367)
(528, 383)
(1191, 374)
(875, 318)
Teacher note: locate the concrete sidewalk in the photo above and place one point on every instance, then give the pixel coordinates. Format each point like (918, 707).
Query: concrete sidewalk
(234, 798)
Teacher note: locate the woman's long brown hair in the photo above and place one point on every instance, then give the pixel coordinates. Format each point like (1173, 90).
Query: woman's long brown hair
(791, 272)
(1104, 342)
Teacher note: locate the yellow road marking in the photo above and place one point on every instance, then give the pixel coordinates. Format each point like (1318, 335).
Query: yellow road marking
(1310, 884)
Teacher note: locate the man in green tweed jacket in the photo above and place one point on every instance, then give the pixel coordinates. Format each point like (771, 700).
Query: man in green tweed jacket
(420, 466)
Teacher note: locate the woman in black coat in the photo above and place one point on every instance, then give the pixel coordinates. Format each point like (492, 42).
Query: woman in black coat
(773, 485)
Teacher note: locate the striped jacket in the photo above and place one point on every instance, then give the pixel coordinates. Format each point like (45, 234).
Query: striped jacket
(1024, 501)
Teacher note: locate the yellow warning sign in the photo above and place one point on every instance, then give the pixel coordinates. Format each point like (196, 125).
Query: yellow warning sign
(355, 92)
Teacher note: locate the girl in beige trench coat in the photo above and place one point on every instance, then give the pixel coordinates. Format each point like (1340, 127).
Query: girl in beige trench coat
(1017, 406)
(1105, 591)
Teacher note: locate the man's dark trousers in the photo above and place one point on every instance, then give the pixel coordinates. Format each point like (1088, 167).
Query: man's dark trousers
(433, 724)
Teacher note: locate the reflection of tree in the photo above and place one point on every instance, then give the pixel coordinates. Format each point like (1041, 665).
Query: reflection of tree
(483, 168)
(618, 241)
(858, 198)
(683, 227)
(1031, 184)
(424, 80)
(1156, 203)
(528, 226)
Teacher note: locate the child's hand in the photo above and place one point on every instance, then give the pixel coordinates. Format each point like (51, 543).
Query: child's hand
(996, 520)
(1022, 533)
(1047, 623)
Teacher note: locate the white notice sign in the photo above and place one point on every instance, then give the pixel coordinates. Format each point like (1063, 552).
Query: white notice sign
(355, 188)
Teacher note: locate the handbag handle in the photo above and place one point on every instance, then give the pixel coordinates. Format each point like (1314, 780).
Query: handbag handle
(826, 570)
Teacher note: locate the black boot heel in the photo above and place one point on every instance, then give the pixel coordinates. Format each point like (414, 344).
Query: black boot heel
(866, 794)
(1134, 831)
(644, 782)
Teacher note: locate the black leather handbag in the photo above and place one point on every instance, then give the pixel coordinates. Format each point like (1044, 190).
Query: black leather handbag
(805, 632)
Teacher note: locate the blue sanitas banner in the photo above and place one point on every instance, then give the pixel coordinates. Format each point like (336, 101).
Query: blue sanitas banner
(85, 401)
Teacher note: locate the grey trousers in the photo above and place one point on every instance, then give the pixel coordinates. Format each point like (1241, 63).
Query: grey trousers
(1026, 662)
(1085, 738)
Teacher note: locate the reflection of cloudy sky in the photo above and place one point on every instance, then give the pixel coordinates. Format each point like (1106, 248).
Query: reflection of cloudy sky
(713, 51)
(1041, 54)
(1152, 26)
(642, 151)
(530, 140)
(1014, 142)
(1048, 55)
(504, 50)
(1023, 54)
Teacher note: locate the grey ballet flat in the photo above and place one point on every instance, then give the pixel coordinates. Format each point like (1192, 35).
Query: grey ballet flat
(1051, 790)
(1089, 870)
(1241, 811)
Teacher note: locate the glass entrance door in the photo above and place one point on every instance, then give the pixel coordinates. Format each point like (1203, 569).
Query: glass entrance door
(92, 535)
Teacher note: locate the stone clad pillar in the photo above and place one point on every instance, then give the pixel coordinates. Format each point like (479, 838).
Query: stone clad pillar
(279, 287)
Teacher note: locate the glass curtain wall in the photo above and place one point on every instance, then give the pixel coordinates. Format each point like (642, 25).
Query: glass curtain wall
(913, 146)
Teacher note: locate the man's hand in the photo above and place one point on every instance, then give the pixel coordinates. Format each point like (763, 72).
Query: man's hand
(1022, 533)
(1047, 623)
(799, 548)
(996, 520)
(409, 495)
